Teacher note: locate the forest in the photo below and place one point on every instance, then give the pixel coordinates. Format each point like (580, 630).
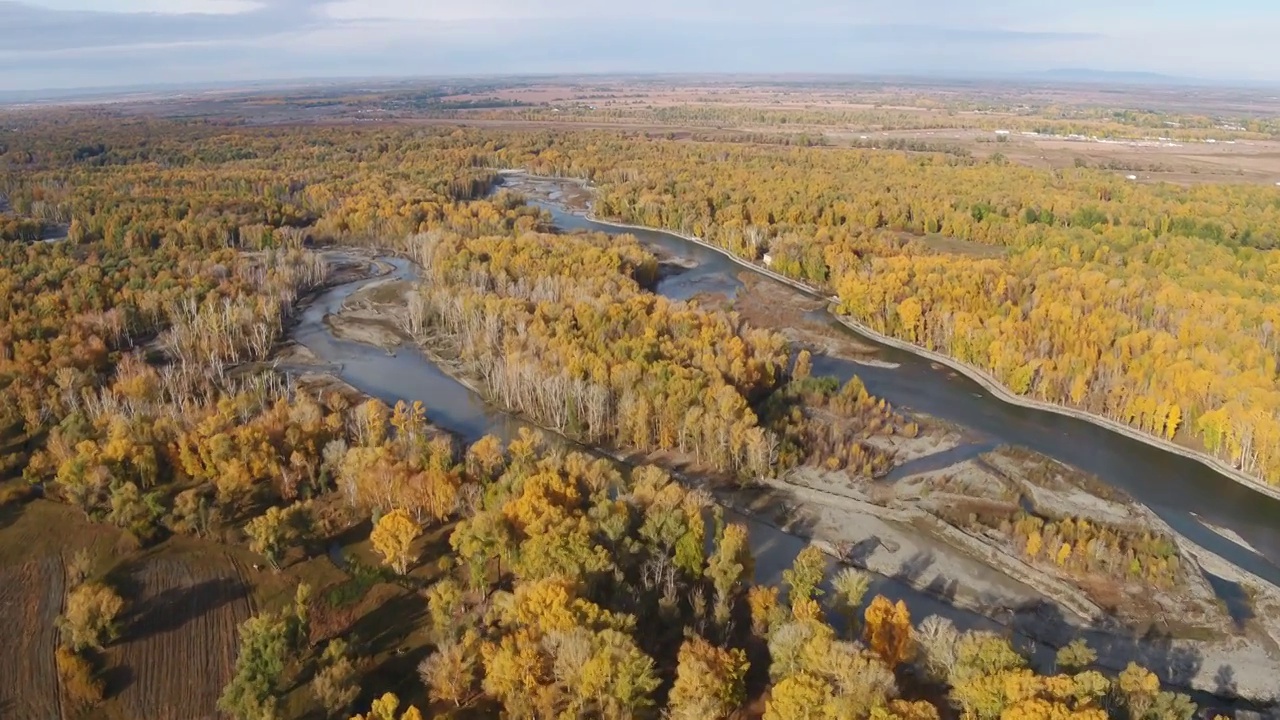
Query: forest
(578, 346)
(552, 583)
(912, 113)
(1154, 306)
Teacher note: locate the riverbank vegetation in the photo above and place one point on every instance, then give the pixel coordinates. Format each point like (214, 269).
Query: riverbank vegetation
(557, 327)
(521, 578)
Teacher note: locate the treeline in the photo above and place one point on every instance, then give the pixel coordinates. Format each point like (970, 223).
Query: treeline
(921, 114)
(16, 228)
(557, 327)
(1152, 305)
(910, 144)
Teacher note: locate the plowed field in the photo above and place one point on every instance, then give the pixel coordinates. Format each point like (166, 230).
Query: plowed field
(180, 646)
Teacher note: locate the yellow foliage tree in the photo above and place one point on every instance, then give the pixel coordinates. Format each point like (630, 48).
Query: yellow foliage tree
(1034, 542)
(90, 617)
(1064, 553)
(1139, 688)
(905, 710)
(709, 681)
(385, 707)
(765, 611)
(888, 630)
(799, 697)
(393, 538)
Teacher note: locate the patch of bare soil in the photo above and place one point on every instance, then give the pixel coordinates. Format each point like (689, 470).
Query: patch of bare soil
(364, 328)
(30, 600)
(572, 195)
(182, 635)
(798, 317)
(374, 314)
(293, 353)
(900, 529)
(956, 246)
(35, 539)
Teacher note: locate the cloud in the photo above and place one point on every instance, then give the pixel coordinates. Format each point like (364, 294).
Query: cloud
(166, 7)
(32, 28)
(125, 42)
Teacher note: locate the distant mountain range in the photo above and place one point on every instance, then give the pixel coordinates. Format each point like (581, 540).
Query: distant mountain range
(1087, 75)
(1070, 76)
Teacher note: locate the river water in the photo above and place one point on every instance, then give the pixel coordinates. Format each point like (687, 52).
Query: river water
(1173, 486)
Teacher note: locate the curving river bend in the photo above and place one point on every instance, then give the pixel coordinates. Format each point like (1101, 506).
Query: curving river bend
(1173, 486)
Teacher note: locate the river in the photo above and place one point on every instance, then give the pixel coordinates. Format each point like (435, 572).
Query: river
(1172, 485)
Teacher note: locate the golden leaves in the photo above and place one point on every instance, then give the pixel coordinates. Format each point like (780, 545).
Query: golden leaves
(393, 538)
(888, 630)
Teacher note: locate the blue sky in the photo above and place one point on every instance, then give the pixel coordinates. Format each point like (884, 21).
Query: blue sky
(87, 43)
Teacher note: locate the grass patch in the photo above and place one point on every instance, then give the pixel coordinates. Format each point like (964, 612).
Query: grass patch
(353, 589)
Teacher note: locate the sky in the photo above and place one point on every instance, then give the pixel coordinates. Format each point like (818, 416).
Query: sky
(111, 43)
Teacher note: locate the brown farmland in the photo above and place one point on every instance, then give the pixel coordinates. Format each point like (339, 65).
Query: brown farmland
(30, 600)
(181, 642)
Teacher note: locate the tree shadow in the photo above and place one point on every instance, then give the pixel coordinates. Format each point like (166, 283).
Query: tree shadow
(1233, 597)
(1041, 629)
(383, 632)
(857, 554)
(343, 538)
(9, 514)
(916, 566)
(173, 608)
(117, 678)
(383, 629)
(1225, 681)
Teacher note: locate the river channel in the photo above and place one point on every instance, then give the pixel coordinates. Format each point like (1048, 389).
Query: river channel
(409, 375)
(1172, 485)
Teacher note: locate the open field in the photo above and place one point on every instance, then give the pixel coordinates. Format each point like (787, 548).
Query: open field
(181, 642)
(1158, 133)
(36, 540)
(1235, 161)
(30, 600)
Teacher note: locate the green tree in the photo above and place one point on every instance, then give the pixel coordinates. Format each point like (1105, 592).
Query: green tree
(851, 587)
(1075, 656)
(805, 573)
(264, 651)
(729, 567)
(278, 529)
(337, 682)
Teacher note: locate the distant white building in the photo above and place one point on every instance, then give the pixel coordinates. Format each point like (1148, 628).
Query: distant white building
(1002, 132)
